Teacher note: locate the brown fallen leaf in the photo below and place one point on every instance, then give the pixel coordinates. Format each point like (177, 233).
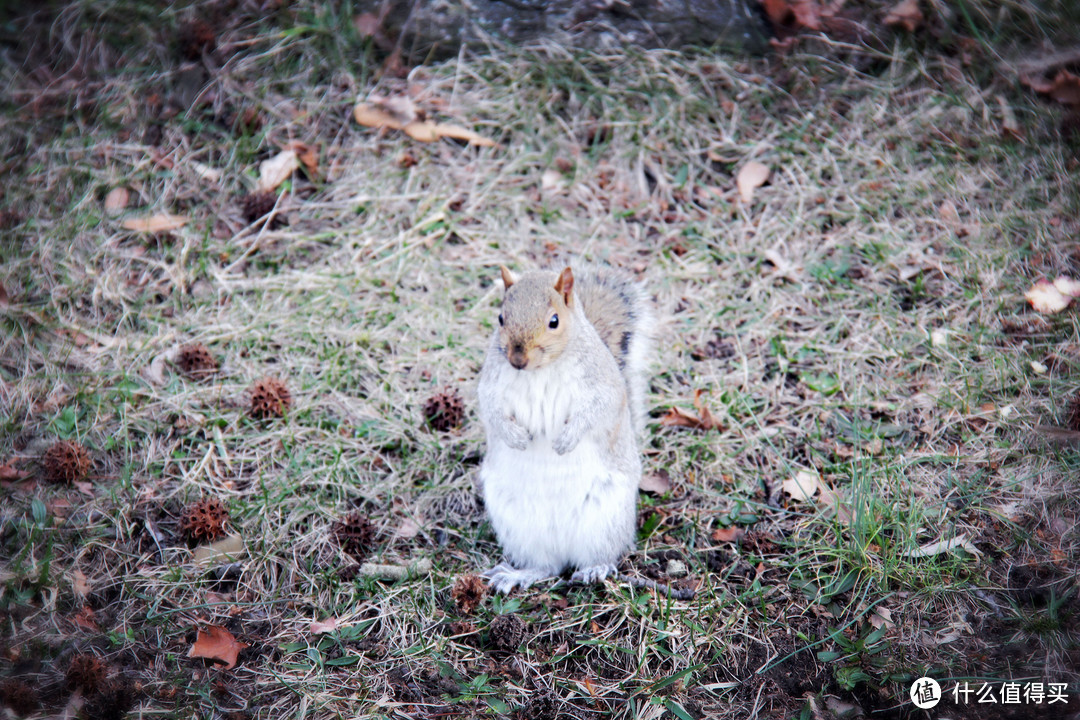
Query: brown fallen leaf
(1064, 88)
(3, 295)
(704, 420)
(366, 24)
(217, 644)
(456, 132)
(375, 117)
(657, 483)
(9, 472)
(79, 584)
(276, 170)
(422, 130)
(408, 529)
(162, 222)
(1045, 297)
(320, 627)
(807, 13)
(85, 619)
(308, 155)
(751, 176)
(905, 14)
(728, 534)
(116, 200)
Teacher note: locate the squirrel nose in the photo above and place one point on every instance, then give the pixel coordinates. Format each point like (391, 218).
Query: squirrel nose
(517, 356)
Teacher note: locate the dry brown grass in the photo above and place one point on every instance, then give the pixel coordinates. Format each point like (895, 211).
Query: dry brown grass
(842, 323)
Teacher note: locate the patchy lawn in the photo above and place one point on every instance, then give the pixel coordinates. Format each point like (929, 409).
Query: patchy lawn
(856, 323)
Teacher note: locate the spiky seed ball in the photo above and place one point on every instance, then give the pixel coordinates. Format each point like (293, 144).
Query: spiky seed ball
(355, 534)
(506, 633)
(196, 38)
(112, 701)
(256, 205)
(19, 696)
(195, 361)
(444, 410)
(1073, 420)
(65, 462)
(468, 592)
(86, 673)
(542, 706)
(204, 520)
(269, 398)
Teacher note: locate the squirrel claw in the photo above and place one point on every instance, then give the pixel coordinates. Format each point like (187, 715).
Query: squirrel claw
(503, 577)
(593, 574)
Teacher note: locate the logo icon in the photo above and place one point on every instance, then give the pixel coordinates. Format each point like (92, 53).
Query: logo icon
(925, 693)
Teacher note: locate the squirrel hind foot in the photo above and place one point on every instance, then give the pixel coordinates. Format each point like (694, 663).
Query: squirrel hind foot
(503, 577)
(593, 574)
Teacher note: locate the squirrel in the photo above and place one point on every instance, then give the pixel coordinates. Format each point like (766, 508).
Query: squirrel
(561, 397)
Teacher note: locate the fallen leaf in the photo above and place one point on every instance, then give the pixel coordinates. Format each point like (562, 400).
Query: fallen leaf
(803, 486)
(943, 546)
(217, 644)
(1009, 124)
(80, 584)
(116, 200)
(162, 222)
(408, 529)
(9, 472)
(807, 13)
(228, 549)
(456, 132)
(86, 488)
(551, 182)
(704, 420)
(905, 14)
(85, 619)
(422, 130)
(657, 483)
(751, 176)
(882, 618)
(375, 117)
(320, 627)
(205, 172)
(308, 154)
(276, 170)
(948, 212)
(1045, 297)
(366, 24)
(1067, 286)
(3, 295)
(1057, 434)
(728, 534)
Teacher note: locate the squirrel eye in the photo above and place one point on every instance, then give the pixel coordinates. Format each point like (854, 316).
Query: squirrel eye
(500, 319)
(553, 322)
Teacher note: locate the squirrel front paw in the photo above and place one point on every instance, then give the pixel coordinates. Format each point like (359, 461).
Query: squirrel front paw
(516, 436)
(565, 441)
(504, 577)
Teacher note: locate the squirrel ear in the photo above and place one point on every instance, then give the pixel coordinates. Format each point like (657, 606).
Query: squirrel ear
(565, 285)
(507, 277)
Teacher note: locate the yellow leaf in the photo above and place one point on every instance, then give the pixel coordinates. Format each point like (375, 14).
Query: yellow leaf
(1045, 297)
(162, 222)
(751, 176)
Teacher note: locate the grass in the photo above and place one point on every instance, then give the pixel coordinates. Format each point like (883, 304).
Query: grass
(841, 323)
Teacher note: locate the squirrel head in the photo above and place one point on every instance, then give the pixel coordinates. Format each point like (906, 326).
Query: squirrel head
(537, 311)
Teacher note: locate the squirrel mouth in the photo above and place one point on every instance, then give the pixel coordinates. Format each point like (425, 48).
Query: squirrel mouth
(518, 360)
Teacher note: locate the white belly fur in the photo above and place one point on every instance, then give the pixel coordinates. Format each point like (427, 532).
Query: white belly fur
(552, 511)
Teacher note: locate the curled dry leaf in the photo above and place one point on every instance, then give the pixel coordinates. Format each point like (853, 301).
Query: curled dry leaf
(116, 200)
(1009, 124)
(803, 486)
(375, 117)
(320, 627)
(8, 473)
(162, 222)
(1067, 286)
(943, 546)
(751, 176)
(657, 483)
(704, 420)
(217, 644)
(276, 170)
(1064, 88)
(728, 534)
(905, 14)
(1045, 297)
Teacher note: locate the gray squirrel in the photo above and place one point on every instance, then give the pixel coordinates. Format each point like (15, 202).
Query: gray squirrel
(562, 401)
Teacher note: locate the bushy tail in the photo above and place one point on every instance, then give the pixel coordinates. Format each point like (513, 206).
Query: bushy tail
(623, 316)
